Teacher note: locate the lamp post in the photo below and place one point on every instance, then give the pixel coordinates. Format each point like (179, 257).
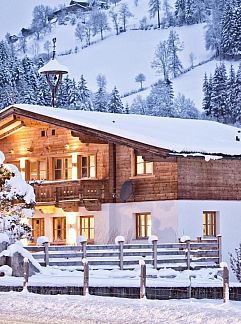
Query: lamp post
(54, 72)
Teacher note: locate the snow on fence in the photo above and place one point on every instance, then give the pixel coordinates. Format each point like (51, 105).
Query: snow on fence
(179, 256)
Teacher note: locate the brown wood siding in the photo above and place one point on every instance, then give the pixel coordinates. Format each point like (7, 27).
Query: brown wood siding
(162, 185)
(212, 180)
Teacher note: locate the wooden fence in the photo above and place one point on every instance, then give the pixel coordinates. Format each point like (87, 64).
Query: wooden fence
(179, 256)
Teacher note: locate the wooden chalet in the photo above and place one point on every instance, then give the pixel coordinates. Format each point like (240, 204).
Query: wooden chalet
(103, 175)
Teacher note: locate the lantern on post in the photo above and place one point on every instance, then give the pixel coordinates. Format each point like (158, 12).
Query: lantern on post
(54, 72)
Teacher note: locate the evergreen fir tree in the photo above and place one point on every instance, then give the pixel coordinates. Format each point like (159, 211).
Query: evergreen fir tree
(180, 12)
(115, 105)
(228, 31)
(154, 9)
(219, 95)
(237, 113)
(207, 92)
(83, 96)
(231, 97)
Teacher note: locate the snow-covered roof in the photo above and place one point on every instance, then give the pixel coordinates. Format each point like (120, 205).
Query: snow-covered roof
(174, 134)
(53, 66)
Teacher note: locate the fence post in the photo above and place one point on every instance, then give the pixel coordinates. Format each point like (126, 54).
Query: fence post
(82, 240)
(44, 241)
(25, 273)
(142, 279)
(153, 239)
(219, 238)
(225, 281)
(46, 253)
(86, 277)
(120, 241)
(188, 254)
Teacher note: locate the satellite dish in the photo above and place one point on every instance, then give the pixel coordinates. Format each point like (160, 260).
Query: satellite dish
(126, 191)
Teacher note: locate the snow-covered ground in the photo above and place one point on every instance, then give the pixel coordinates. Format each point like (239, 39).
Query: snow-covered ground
(31, 308)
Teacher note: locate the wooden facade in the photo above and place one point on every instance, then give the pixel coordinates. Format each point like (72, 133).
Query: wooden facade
(28, 140)
(73, 168)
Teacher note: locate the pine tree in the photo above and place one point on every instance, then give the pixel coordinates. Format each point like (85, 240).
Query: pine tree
(17, 202)
(180, 12)
(115, 105)
(83, 96)
(100, 100)
(231, 97)
(228, 29)
(219, 95)
(207, 92)
(154, 9)
(237, 114)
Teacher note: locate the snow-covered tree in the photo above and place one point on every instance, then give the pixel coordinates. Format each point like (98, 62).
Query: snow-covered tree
(180, 12)
(207, 93)
(174, 46)
(154, 9)
(99, 22)
(166, 60)
(185, 108)
(160, 62)
(101, 97)
(160, 100)
(140, 78)
(40, 23)
(168, 16)
(124, 14)
(83, 96)
(17, 202)
(219, 95)
(235, 262)
(214, 26)
(115, 104)
(139, 106)
(115, 19)
(237, 95)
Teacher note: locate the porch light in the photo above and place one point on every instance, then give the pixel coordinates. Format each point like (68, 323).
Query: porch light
(54, 72)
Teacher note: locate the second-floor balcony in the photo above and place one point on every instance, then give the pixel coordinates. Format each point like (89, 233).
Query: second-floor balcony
(88, 193)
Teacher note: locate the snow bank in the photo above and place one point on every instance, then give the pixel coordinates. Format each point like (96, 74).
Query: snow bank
(119, 239)
(185, 238)
(6, 270)
(152, 238)
(4, 238)
(18, 248)
(42, 239)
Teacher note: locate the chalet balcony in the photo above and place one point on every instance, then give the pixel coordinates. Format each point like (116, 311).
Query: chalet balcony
(70, 195)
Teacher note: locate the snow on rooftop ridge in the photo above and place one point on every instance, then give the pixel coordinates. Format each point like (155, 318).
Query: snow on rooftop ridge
(174, 134)
(54, 66)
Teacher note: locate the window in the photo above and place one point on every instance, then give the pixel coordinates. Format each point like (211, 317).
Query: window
(37, 228)
(63, 169)
(209, 223)
(43, 133)
(143, 225)
(87, 227)
(143, 167)
(53, 132)
(59, 229)
(88, 166)
(38, 170)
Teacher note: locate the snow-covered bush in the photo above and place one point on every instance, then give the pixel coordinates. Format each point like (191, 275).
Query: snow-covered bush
(235, 261)
(17, 202)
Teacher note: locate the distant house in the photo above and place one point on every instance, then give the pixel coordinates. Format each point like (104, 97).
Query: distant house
(102, 175)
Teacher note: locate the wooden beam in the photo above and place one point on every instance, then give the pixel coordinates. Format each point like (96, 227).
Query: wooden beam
(14, 129)
(84, 138)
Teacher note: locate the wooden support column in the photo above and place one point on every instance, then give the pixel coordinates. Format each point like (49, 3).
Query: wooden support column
(112, 167)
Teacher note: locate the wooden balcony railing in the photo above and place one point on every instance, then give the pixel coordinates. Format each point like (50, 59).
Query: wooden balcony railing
(82, 191)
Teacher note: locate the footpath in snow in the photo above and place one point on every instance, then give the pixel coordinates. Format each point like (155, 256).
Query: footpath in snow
(31, 308)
